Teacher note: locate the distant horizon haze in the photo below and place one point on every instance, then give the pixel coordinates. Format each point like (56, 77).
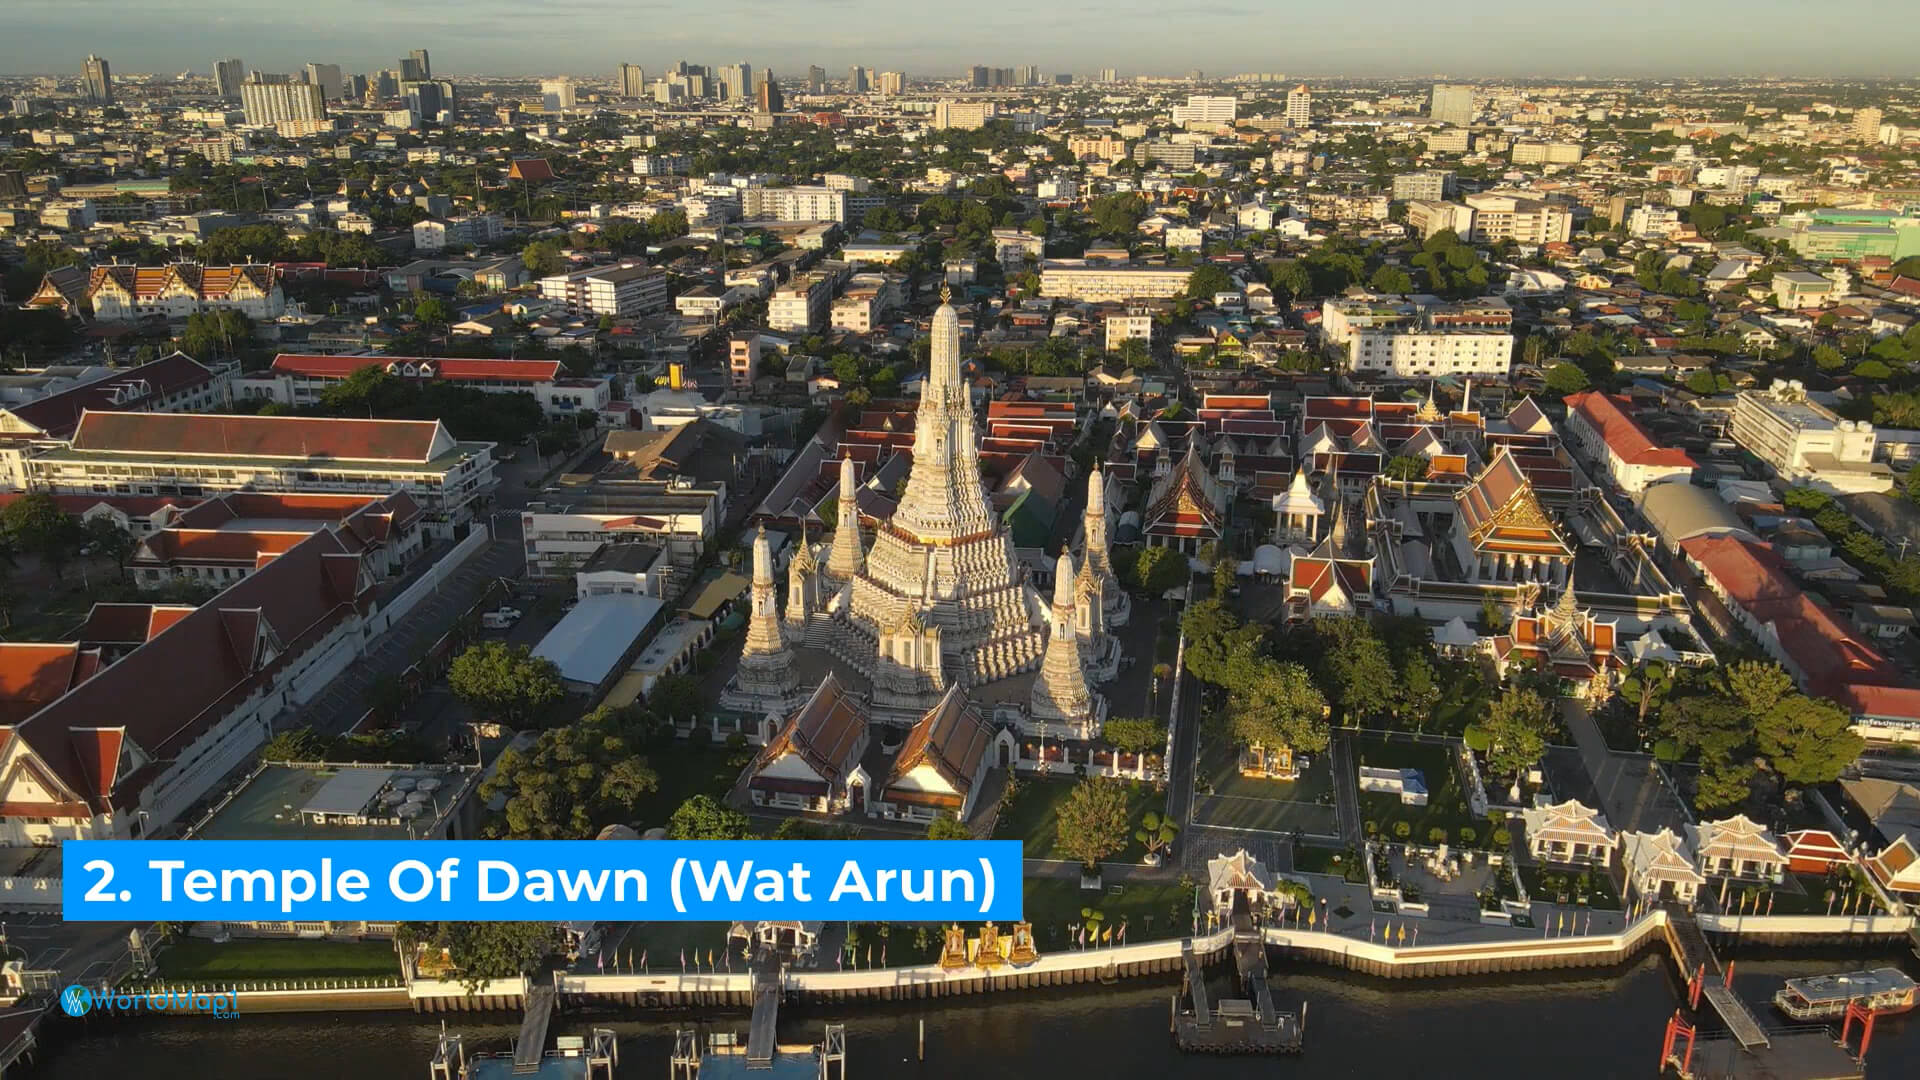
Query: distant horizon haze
(1480, 39)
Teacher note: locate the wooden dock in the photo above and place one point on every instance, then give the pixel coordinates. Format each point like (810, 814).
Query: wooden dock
(761, 1041)
(529, 1050)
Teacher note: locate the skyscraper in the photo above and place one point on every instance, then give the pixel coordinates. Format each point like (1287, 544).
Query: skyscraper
(1299, 106)
(411, 67)
(268, 103)
(980, 77)
(1452, 104)
(386, 85)
(893, 83)
(767, 95)
(96, 80)
(327, 78)
(857, 80)
(631, 80)
(816, 79)
(228, 75)
(736, 82)
(419, 56)
(1029, 75)
(1108, 75)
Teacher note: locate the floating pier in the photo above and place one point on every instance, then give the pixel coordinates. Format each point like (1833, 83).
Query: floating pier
(726, 1058)
(1234, 1025)
(573, 1058)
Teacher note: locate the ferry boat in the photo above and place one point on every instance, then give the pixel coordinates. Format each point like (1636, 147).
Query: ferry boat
(1822, 997)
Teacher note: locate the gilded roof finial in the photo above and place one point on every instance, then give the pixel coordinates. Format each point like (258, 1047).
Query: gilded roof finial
(946, 293)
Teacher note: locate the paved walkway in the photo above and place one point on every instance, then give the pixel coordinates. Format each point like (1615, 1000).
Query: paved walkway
(1346, 791)
(1629, 787)
(344, 701)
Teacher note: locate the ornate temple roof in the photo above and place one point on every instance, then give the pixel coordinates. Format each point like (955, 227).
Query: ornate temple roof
(1501, 513)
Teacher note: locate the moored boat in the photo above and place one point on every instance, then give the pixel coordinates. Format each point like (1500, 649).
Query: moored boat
(1821, 997)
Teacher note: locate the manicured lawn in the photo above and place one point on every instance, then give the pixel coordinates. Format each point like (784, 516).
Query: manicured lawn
(1151, 910)
(662, 942)
(1033, 818)
(207, 961)
(1229, 799)
(1321, 860)
(1446, 799)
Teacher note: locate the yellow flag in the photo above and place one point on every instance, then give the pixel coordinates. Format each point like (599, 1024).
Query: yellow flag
(1107, 934)
(709, 959)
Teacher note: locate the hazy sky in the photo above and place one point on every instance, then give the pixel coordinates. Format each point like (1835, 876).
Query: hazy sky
(1326, 37)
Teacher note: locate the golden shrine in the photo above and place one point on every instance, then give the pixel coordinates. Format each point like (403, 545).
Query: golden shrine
(1023, 952)
(1270, 763)
(989, 949)
(954, 953)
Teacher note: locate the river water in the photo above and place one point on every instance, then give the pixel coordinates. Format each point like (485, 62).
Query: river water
(1599, 1026)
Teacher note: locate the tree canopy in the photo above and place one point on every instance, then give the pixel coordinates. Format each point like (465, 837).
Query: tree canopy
(1093, 821)
(505, 682)
(702, 818)
(1277, 704)
(574, 780)
(1516, 725)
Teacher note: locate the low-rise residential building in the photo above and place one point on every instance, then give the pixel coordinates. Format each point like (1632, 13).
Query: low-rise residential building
(1501, 216)
(1428, 354)
(803, 203)
(621, 291)
(1077, 279)
(801, 305)
(1796, 289)
(471, 230)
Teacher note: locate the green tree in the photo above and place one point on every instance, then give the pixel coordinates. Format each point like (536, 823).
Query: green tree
(1406, 467)
(701, 818)
(505, 682)
(1156, 833)
(110, 538)
(945, 827)
(1516, 724)
(574, 780)
(483, 951)
(434, 312)
(542, 257)
(1646, 687)
(34, 523)
(1276, 704)
(1093, 821)
(1391, 279)
(1206, 280)
(1135, 734)
(1159, 569)
(1564, 379)
(295, 744)
(1828, 358)
(1354, 666)
(1807, 740)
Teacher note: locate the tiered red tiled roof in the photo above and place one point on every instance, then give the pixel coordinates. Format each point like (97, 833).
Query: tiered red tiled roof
(1607, 415)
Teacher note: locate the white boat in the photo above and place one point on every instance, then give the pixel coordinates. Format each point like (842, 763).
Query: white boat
(1821, 997)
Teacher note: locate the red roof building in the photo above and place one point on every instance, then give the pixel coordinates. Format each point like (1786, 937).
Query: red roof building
(110, 750)
(1600, 426)
(302, 379)
(1815, 851)
(229, 536)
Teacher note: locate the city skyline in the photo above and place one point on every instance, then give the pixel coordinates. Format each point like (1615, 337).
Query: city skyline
(1494, 40)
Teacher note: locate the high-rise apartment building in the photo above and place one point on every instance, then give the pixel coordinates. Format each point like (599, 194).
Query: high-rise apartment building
(228, 75)
(96, 80)
(859, 80)
(965, 115)
(1108, 75)
(269, 103)
(767, 97)
(1300, 106)
(893, 83)
(386, 85)
(1866, 125)
(736, 82)
(1028, 75)
(980, 76)
(556, 95)
(419, 56)
(631, 80)
(1201, 109)
(327, 78)
(1452, 103)
(816, 79)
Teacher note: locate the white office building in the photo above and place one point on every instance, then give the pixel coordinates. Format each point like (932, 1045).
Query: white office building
(620, 291)
(1430, 354)
(807, 203)
(1806, 443)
